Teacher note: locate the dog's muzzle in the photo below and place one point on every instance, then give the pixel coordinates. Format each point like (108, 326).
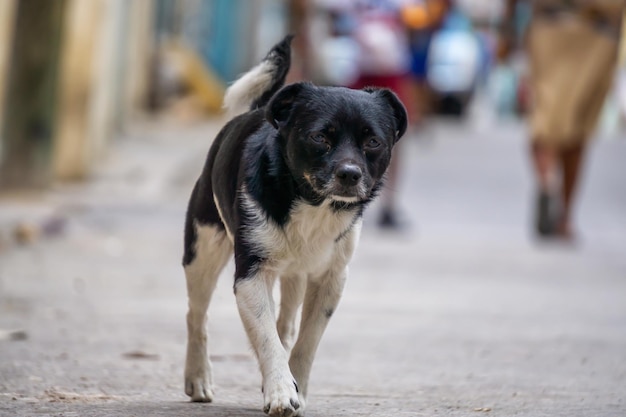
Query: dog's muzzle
(347, 184)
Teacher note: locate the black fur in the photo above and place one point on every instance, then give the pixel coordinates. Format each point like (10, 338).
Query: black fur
(299, 143)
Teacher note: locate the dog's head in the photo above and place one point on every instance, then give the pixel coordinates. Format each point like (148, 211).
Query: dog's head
(336, 141)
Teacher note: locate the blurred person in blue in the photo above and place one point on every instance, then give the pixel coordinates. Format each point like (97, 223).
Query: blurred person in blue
(423, 19)
(380, 39)
(572, 49)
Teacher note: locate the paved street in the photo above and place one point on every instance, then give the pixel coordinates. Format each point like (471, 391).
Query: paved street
(464, 314)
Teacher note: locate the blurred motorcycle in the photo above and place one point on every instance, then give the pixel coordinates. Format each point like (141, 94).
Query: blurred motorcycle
(454, 63)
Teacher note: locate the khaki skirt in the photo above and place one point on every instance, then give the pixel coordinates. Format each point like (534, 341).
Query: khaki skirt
(572, 64)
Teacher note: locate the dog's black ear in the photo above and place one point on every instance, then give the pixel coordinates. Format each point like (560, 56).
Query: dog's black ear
(280, 106)
(399, 111)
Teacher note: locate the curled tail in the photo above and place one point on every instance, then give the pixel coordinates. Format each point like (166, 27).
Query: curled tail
(255, 88)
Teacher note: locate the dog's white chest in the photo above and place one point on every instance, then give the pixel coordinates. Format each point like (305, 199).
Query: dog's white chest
(307, 244)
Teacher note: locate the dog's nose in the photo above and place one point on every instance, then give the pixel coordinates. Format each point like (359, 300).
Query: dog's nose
(349, 174)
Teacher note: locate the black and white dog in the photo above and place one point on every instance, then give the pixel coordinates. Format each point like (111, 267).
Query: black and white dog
(284, 188)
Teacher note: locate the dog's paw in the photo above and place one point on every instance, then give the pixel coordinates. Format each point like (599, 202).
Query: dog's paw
(198, 389)
(281, 399)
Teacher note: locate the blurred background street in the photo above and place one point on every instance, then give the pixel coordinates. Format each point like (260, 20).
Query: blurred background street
(457, 309)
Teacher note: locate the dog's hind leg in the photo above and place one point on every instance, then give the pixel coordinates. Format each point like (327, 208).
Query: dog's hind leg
(291, 296)
(212, 250)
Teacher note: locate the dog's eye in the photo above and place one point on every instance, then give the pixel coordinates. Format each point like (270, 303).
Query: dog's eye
(372, 143)
(319, 138)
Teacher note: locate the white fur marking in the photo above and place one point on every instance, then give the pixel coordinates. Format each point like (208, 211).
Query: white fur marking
(291, 296)
(321, 300)
(249, 87)
(344, 199)
(255, 303)
(306, 244)
(219, 211)
(361, 192)
(212, 252)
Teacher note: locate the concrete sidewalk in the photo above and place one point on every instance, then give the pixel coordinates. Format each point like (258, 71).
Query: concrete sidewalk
(463, 315)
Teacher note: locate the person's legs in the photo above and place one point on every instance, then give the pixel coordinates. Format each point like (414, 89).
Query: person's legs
(545, 166)
(388, 215)
(557, 173)
(571, 162)
(420, 101)
(545, 163)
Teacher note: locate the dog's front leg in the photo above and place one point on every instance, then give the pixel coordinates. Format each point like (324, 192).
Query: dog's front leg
(320, 301)
(256, 308)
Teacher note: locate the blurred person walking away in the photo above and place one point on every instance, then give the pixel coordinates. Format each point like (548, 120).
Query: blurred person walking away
(572, 47)
(422, 19)
(299, 21)
(383, 61)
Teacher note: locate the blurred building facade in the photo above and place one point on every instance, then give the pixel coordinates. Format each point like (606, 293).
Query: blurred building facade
(73, 73)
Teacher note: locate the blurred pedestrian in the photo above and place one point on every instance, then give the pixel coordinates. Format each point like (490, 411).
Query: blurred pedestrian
(422, 19)
(572, 47)
(299, 22)
(377, 28)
